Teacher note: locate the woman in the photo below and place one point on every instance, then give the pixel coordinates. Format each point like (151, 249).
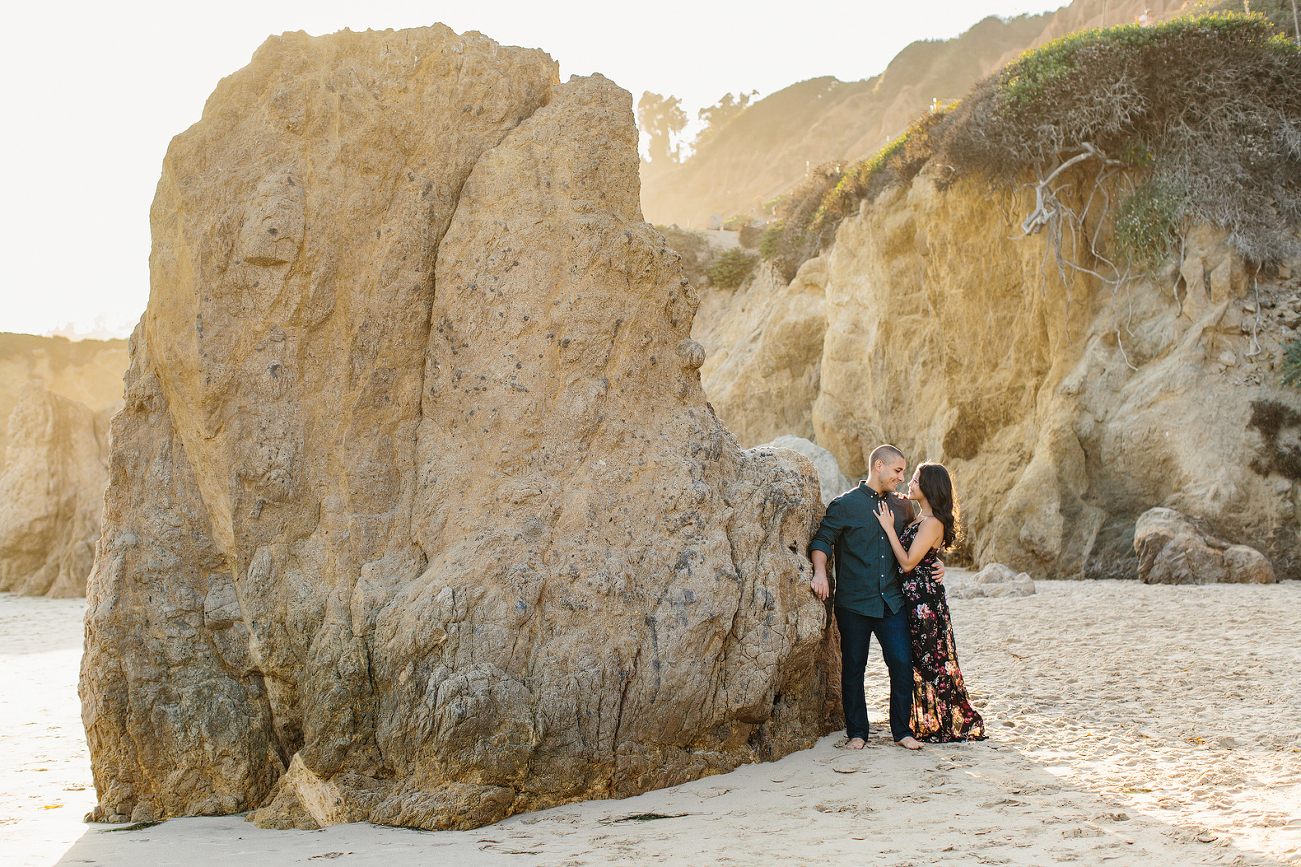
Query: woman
(941, 710)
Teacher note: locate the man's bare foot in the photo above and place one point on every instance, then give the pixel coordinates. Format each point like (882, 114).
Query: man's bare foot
(855, 744)
(910, 743)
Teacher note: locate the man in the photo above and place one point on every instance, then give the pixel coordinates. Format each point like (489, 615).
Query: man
(869, 597)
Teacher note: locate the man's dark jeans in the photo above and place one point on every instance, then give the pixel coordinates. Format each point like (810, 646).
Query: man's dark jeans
(896, 646)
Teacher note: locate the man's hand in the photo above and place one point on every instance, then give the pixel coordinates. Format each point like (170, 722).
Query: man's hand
(938, 572)
(819, 585)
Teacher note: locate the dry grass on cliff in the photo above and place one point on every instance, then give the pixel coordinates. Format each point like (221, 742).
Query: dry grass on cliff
(1207, 106)
(1205, 109)
(810, 214)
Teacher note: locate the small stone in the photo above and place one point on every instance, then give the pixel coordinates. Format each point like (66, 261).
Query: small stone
(1284, 272)
(1228, 358)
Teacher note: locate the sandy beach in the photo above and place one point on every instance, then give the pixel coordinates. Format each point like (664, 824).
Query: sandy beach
(1130, 724)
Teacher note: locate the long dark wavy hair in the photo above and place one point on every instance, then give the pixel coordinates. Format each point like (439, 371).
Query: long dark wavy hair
(937, 488)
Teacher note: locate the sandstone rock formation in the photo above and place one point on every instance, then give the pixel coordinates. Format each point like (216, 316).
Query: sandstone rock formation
(993, 580)
(87, 371)
(418, 513)
(763, 359)
(831, 480)
(1064, 410)
(54, 476)
(1172, 551)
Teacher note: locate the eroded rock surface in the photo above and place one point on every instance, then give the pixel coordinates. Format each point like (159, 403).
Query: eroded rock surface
(87, 371)
(418, 513)
(54, 476)
(831, 480)
(764, 354)
(1064, 409)
(1172, 551)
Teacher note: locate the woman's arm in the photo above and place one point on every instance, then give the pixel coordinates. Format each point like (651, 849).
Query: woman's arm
(930, 532)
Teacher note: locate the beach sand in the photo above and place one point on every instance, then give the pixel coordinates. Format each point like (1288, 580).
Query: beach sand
(1129, 725)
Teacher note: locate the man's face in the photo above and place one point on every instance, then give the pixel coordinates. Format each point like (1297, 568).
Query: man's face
(891, 474)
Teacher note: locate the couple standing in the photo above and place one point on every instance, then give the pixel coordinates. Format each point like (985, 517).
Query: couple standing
(889, 582)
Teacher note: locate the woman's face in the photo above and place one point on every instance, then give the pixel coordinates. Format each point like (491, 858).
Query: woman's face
(914, 489)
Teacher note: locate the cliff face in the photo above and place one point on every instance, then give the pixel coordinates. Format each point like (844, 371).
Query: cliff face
(1064, 409)
(56, 398)
(54, 477)
(418, 513)
(763, 343)
(88, 371)
(766, 149)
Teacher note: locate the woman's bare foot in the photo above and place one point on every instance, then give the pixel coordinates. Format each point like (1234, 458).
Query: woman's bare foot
(855, 744)
(910, 743)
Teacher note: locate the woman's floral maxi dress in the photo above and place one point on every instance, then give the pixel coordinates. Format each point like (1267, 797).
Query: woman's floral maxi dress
(941, 710)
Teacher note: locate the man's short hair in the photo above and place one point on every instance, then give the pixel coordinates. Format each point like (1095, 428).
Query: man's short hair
(886, 453)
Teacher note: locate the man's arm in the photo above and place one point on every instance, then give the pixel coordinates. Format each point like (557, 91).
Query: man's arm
(819, 584)
(821, 546)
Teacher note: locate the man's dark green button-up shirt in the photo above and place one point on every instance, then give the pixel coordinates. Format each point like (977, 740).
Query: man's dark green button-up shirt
(867, 580)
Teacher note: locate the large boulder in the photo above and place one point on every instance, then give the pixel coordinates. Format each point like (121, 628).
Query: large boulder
(1246, 565)
(55, 473)
(1173, 551)
(831, 480)
(418, 512)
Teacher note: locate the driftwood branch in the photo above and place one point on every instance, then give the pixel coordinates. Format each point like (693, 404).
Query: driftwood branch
(1045, 205)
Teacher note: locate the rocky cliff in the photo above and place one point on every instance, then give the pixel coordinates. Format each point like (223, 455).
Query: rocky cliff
(53, 478)
(56, 398)
(87, 371)
(763, 346)
(768, 148)
(1065, 407)
(418, 513)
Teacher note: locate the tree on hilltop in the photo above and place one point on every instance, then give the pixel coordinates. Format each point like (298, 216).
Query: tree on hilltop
(661, 119)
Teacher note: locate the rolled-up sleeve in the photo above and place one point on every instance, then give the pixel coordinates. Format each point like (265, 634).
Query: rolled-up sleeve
(833, 522)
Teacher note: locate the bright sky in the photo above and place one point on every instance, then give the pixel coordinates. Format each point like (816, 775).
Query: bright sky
(95, 90)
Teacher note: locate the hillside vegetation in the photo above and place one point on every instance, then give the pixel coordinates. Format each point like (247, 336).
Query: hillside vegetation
(767, 148)
(1197, 120)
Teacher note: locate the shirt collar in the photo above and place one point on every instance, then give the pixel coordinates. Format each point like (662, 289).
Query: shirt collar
(871, 490)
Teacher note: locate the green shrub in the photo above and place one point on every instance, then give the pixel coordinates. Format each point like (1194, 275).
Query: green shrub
(770, 243)
(1291, 371)
(751, 234)
(1146, 222)
(1212, 99)
(811, 213)
(1206, 108)
(736, 223)
(730, 269)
